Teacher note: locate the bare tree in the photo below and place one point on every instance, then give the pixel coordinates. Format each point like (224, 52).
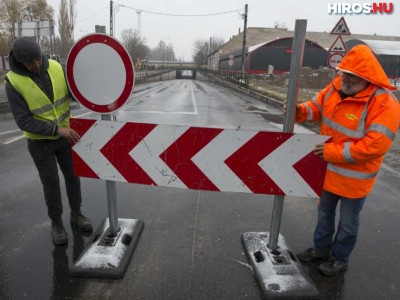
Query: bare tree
(10, 13)
(201, 51)
(216, 43)
(36, 10)
(14, 11)
(66, 25)
(163, 52)
(135, 45)
(203, 48)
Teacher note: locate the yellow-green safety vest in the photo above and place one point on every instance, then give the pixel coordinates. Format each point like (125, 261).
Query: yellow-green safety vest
(41, 107)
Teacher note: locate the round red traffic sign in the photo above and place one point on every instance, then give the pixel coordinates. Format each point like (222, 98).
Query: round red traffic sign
(334, 59)
(100, 73)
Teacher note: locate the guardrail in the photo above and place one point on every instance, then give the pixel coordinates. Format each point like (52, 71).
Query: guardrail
(236, 77)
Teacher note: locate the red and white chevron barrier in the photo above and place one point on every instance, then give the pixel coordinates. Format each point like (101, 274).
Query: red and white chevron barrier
(213, 159)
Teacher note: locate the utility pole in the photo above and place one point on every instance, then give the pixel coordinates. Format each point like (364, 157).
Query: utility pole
(244, 39)
(139, 23)
(111, 18)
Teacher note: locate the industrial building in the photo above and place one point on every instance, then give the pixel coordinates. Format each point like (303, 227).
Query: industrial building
(262, 50)
(274, 57)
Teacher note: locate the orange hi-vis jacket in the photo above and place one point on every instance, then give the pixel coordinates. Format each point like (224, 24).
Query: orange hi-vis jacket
(362, 126)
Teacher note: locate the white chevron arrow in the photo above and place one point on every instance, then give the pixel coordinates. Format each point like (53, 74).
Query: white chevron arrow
(89, 147)
(147, 154)
(279, 164)
(210, 160)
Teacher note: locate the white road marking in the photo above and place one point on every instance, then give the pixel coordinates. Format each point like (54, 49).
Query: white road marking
(10, 141)
(14, 140)
(10, 131)
(84, 114)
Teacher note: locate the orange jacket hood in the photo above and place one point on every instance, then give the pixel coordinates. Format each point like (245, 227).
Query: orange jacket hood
(361, 62)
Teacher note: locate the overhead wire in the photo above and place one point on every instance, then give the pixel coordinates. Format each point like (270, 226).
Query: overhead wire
(91, 16)
(174, 15)
(180, 15)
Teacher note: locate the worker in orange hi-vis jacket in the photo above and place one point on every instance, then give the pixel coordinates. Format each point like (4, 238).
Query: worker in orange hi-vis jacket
(362, 116)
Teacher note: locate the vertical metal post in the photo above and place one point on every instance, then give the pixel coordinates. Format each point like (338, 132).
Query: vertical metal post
(110, 185)
(242, 70)
(111, 18)
(288, 126)
(112, 207)
(111, 194)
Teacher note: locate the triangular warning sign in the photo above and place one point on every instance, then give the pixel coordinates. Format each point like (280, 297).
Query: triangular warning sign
(338, 45)
(341, 28)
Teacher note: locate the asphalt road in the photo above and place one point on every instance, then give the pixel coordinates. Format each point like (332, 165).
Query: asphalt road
(190, 247)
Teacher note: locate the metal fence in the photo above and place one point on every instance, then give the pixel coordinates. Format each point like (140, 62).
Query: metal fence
(235, 77)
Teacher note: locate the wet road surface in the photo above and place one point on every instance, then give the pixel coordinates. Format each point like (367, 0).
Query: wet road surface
(190, 247)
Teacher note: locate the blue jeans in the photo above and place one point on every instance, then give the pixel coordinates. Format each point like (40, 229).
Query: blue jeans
(341, 246)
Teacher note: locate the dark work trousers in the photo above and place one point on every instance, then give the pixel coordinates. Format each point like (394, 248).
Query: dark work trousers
(46, 154)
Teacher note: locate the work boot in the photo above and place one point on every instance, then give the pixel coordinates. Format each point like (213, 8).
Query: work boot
(58, 233)
(310, 254)
(81, 222)
(332, 267)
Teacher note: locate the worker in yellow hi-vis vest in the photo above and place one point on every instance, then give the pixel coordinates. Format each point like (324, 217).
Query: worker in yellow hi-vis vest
(40, 103)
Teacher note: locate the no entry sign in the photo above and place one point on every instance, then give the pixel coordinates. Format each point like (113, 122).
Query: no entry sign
(100, 73)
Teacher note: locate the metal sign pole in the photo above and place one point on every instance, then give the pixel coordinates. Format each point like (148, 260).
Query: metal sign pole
(111, 196)
(109, 250)
(288, 126)
(277, 270)
(110, 185)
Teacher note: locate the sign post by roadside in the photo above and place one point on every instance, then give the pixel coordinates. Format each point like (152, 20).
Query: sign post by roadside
(230, 60)
(334, 59)
(278, 273)
(100, 75)
(338, 48)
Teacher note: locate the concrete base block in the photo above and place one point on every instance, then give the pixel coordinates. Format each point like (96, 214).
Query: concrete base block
(278, 272)
(108, 256)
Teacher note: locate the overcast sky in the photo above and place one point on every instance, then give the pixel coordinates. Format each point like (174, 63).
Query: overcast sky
(224, 18)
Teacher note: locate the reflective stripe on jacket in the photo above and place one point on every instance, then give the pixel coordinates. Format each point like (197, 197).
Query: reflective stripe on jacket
(41, 107)
(362, 129)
